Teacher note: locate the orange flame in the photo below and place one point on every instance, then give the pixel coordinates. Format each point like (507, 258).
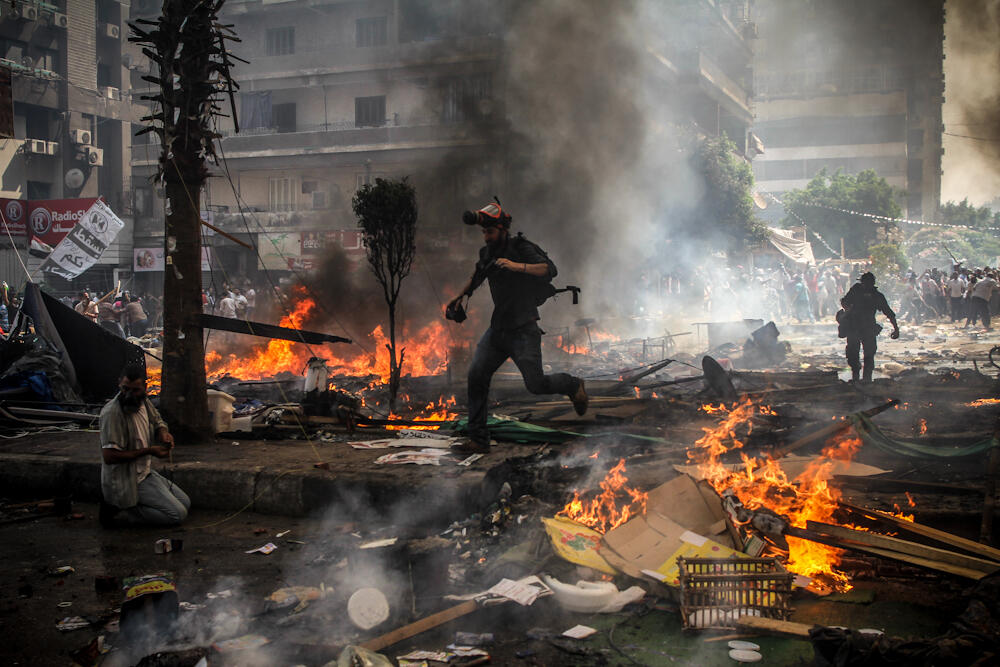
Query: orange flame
(764, 484)
(614, 505)
(980, 402)
(922, 426)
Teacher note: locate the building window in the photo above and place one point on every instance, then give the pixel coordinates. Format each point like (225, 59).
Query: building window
(281, 194)
(39, 190)
(367, 179)
(369, 111)
(283, 117)
(464, 98)
(420, 20)
(372, 32)
(280, 41)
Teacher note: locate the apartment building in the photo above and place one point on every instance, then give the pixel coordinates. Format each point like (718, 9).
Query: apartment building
(71, 123)
(339, 93)
(851, 85)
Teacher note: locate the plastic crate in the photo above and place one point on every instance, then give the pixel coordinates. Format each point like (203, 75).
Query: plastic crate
(715, 592)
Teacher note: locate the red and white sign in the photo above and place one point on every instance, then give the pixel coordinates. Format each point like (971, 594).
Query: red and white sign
(50, 220)
(14, 214)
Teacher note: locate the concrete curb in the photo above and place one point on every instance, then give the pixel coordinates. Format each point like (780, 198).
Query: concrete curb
(289, 492)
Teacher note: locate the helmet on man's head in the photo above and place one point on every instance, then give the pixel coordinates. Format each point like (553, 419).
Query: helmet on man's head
(867, 277)
(491, 215)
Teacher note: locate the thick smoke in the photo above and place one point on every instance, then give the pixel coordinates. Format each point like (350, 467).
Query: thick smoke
(972, 78)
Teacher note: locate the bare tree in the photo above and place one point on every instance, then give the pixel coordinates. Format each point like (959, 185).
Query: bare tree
(387, 217)
(188, 46)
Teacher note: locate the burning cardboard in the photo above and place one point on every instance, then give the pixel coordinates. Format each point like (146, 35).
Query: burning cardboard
(682, 519)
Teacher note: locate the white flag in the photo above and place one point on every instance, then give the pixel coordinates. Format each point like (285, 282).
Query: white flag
(85, 243)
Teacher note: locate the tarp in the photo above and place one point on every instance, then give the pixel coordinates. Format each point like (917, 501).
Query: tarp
(800, 252)
(873, 435)
(94, 357)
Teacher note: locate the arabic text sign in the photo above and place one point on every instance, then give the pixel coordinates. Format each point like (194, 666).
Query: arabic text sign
(85, 243)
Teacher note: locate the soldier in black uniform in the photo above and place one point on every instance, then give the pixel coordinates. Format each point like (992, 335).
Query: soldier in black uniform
(518, 272)
(857, 323)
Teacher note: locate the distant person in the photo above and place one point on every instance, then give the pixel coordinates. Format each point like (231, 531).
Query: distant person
(857, 324)
(135, 318)
(86, 307)
(133, 493)
(227, 306)
(979, 301)
(956, 290)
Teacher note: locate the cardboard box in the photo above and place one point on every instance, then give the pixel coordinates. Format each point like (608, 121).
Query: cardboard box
(683, 519)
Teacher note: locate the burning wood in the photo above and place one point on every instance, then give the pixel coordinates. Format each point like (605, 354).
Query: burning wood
(763, 484)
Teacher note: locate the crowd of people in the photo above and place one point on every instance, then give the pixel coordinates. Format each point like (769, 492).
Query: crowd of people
(787, 294)
(121, 313)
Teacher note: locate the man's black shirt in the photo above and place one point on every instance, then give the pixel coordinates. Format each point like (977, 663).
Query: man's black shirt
(861, 304)
(513, 292)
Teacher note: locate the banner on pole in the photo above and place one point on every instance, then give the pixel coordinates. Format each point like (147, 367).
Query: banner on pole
(85, 243)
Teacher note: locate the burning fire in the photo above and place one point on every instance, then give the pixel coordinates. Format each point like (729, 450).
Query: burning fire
(980, 402)
(614, 505)
(764, 484)
(426, 351)
(922, 426)
(433, 412)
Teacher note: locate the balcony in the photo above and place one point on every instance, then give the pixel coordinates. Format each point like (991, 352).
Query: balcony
(335, 137)
(697, 67)
(305, 64)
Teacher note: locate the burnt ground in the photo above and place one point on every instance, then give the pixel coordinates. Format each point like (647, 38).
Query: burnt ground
(213, 561)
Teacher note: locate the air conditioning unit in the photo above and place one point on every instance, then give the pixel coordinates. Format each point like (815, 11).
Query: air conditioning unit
(27, 12)
(52, 148)
(319, 199)
(36, 146)
(79, 137)
(110, 92)
(95, 156)
(60, 20)
(110, 30)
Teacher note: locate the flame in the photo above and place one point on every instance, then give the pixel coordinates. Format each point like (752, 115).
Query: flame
(432, 412)
(980, 402)
(764, 484)
(426, 351)
(922, 426)
(614, 505)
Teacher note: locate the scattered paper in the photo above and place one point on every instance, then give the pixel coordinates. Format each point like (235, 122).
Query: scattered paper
(579, 632)
(387, 542)
(72, 623)
(266, 549)
(423, 457)
(437, 656)
(283, 533)
(466, 651)
(472, 459)
(246, 642)
(522, 594)
(430, 442)
(221, 594)
(189, 606)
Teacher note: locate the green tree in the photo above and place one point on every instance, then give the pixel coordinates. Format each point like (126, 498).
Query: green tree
(387, 218)
(888, 259)
(727, 203)
(865, 193)
(970, 246)
(964, 213)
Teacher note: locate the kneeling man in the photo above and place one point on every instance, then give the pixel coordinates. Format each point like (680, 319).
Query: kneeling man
(134, 493)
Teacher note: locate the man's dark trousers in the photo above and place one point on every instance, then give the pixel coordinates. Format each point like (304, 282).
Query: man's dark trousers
(979, 307)
(867, 339)
(957, 309)
(524, 346)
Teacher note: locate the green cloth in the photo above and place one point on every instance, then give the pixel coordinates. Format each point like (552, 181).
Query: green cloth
(510, 430)
(873, 435)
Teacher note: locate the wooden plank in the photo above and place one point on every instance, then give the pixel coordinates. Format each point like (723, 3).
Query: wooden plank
(841, 543)
(926, 531)
(774, 627)
(423, 625)
(906, 547)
